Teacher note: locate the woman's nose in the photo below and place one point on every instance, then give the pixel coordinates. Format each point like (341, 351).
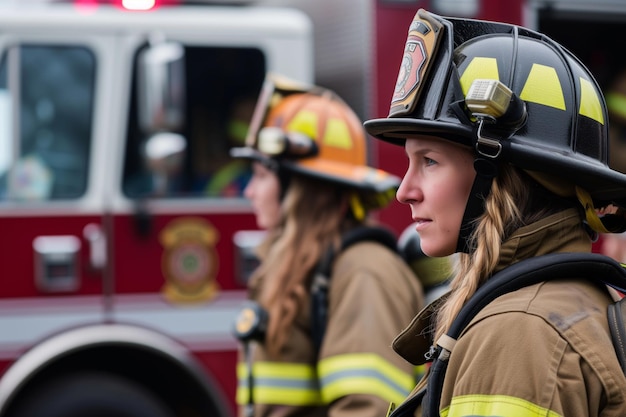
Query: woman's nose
(247, 191)
(408, 191)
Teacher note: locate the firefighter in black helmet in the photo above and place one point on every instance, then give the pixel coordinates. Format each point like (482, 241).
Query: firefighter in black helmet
(506, 137)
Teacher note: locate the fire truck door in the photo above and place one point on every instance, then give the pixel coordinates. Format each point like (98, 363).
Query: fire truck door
(52, 246)
(180, 197)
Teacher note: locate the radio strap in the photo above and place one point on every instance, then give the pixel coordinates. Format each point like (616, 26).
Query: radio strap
(321, 279)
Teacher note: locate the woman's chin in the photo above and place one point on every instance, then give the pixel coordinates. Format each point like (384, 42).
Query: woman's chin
(433, 251)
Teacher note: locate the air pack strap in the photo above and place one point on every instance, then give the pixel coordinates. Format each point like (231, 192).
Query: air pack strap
(321, 280)
(617, 315)
(592, 266)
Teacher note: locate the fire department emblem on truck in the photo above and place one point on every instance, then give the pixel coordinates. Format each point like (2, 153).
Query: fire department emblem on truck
(189, 261)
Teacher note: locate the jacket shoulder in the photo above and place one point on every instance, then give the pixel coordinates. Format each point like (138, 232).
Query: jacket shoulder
(569, 313)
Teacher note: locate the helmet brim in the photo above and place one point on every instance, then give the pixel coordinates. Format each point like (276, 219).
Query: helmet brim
(247, 152)
(358, 177)
(605, 185)
(396, 131)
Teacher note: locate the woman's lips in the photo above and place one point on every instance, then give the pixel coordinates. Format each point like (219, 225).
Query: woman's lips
(421, 223)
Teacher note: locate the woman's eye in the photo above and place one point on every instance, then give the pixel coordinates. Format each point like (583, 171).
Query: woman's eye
(429, 161)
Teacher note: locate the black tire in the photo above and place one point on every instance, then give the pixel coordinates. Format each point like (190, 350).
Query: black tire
(91, 395)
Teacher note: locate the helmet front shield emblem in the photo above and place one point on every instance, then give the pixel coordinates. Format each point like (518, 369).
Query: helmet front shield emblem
(275, 88)
(425, 34)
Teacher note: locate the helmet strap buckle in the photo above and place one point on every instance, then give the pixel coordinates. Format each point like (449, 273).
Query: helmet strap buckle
(487, 147)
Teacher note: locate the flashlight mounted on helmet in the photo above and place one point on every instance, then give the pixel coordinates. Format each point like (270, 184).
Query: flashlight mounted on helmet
(493, 103)
(275, 142)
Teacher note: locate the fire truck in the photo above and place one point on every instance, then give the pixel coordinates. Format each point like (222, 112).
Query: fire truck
(123, 268)
(126, 242)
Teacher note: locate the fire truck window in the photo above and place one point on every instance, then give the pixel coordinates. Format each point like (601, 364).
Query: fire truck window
(222, 85)
(54, 123)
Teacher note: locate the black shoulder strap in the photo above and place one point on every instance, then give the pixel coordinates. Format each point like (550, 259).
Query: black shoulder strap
(531, 271)
(319, 287)
(617, 314)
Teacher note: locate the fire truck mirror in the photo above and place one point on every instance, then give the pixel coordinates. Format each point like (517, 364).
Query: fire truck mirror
(56, 263)
(246, 261)
(164, 156)
(161, 87)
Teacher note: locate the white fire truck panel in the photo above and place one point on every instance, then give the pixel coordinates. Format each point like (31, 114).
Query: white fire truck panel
(119, 203)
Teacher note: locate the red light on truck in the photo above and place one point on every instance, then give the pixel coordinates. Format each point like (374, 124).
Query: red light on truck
(138, 4)
(86, 6)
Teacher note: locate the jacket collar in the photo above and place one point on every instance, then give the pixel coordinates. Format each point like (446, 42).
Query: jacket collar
(560, 232)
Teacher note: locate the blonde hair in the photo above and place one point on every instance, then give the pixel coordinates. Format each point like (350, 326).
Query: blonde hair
(515, 200)
(314, 215)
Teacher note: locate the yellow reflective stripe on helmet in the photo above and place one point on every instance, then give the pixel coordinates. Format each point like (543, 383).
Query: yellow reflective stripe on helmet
(589, 101)
(363, 373)
(543, 87)
(494, 405)
(480, 67)
(304, 122)
(279, 383)
(337, 134)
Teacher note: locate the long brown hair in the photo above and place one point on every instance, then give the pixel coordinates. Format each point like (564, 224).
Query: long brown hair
(314, 216)
(515, 200)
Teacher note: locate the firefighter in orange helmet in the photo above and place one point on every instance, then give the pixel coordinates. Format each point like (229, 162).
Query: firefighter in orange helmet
(318, 300)
(506, 137)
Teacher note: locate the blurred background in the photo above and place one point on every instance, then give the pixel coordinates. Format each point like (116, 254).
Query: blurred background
(126, 242)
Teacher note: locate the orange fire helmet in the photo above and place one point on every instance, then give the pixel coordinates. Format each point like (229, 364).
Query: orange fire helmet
(310, 130)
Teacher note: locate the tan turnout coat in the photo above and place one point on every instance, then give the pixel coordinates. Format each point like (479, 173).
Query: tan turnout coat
(544, 350)
(373, 295)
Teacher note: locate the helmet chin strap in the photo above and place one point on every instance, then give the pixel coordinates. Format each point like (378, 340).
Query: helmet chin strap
(498, 109)
(486, 170)
(284, 177)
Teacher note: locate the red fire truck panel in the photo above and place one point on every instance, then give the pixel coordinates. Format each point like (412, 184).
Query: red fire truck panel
(123, 260)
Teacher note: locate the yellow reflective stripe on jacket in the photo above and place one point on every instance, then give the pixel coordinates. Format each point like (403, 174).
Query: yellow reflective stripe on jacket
(279, 383)
(363, 373)
(494, 406)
